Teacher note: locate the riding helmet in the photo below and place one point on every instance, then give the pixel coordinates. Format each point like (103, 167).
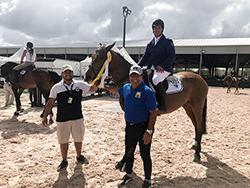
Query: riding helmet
(158, 22)
(29, 45)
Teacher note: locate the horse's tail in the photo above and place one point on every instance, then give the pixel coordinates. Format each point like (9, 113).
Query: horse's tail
(54, 77)
(204, 117)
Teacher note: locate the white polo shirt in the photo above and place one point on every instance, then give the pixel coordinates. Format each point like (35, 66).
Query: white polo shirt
(69, 99)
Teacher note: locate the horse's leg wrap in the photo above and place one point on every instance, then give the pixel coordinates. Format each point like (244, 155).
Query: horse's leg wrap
(160, 96)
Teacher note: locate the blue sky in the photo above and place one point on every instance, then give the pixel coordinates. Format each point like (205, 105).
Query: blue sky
(47, 22)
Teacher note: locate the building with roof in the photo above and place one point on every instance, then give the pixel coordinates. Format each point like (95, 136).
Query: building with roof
(200, 54)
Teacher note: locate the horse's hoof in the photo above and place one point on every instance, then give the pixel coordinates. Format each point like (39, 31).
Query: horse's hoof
(197, 158)
(51, 121)
(41, 116)
(16, 113)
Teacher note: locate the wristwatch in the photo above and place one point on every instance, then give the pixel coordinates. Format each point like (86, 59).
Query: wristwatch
(149, 131)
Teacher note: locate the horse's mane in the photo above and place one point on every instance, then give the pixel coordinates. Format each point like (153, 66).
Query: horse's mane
(120, 56)
(6, 69)
(102, 47)
(54, 77)
(11, 63)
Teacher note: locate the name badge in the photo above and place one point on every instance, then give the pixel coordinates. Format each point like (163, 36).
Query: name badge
(70, 99)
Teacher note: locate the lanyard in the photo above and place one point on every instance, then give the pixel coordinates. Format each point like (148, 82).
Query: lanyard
(68, 88)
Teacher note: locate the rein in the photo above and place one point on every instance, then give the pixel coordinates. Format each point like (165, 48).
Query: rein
(100, 73)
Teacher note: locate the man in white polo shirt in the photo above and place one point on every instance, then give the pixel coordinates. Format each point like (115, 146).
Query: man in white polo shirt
(68, 94)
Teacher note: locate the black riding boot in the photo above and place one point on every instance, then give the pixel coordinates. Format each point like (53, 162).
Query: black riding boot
(160, 97)
(15, 77)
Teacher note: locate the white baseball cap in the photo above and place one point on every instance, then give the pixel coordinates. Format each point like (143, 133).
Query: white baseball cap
(66, 67)
(135, 69)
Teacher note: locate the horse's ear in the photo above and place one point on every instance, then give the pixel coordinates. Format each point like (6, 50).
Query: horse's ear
(109, 47)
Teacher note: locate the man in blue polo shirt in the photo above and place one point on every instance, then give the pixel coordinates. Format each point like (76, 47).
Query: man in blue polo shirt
(140, 114)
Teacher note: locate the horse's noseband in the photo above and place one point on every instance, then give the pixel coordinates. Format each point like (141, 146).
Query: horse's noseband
(92, 67)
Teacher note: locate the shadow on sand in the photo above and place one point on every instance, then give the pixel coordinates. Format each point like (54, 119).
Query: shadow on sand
(218, 174)
(76, 180)
(11, 127)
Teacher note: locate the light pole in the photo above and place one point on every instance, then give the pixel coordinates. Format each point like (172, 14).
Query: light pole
(126, 12)
(201, 60)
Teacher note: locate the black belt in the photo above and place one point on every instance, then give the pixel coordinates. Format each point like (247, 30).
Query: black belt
(136, 124)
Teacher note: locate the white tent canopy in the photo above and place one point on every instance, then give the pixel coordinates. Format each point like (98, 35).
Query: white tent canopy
(125, 54)
(79, 67)
(14, 58)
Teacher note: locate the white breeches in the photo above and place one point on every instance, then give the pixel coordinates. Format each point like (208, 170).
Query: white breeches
(159, 76)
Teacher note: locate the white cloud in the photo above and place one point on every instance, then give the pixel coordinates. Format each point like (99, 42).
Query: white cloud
(102, 26)
(246, 29)
(8, 6)
(215, 31)
(67, 21)
(162, 6)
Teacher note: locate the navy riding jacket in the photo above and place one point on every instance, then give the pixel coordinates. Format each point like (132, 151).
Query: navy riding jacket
(163, 54)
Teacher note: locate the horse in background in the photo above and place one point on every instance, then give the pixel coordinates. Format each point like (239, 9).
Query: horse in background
(229, 81)
(43, 80)
(193, 97)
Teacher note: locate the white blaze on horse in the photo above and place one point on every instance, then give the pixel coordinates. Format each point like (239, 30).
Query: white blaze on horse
(193, 96)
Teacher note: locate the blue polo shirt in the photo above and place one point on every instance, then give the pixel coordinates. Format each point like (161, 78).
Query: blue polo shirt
(137, 102)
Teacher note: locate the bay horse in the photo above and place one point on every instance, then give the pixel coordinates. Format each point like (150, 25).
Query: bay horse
(193, 97)
(43, 80)
(228, 80)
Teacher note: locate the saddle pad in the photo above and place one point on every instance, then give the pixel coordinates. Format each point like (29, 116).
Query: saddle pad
(23, 71)
(174, 85)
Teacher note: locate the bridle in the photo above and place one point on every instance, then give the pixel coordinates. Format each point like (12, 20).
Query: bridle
(92, 67)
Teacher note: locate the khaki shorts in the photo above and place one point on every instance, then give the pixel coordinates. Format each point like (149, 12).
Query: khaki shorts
(76, 127)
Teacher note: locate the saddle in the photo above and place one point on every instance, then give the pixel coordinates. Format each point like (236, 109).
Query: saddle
(25, 70)
(172, 84)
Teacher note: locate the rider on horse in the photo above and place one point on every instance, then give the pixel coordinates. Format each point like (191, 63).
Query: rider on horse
(233, 74)
(30, 55)
(160, 55)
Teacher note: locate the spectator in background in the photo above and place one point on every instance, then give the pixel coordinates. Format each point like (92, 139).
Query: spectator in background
(233, 74)
(30, 57)
(9, 94)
